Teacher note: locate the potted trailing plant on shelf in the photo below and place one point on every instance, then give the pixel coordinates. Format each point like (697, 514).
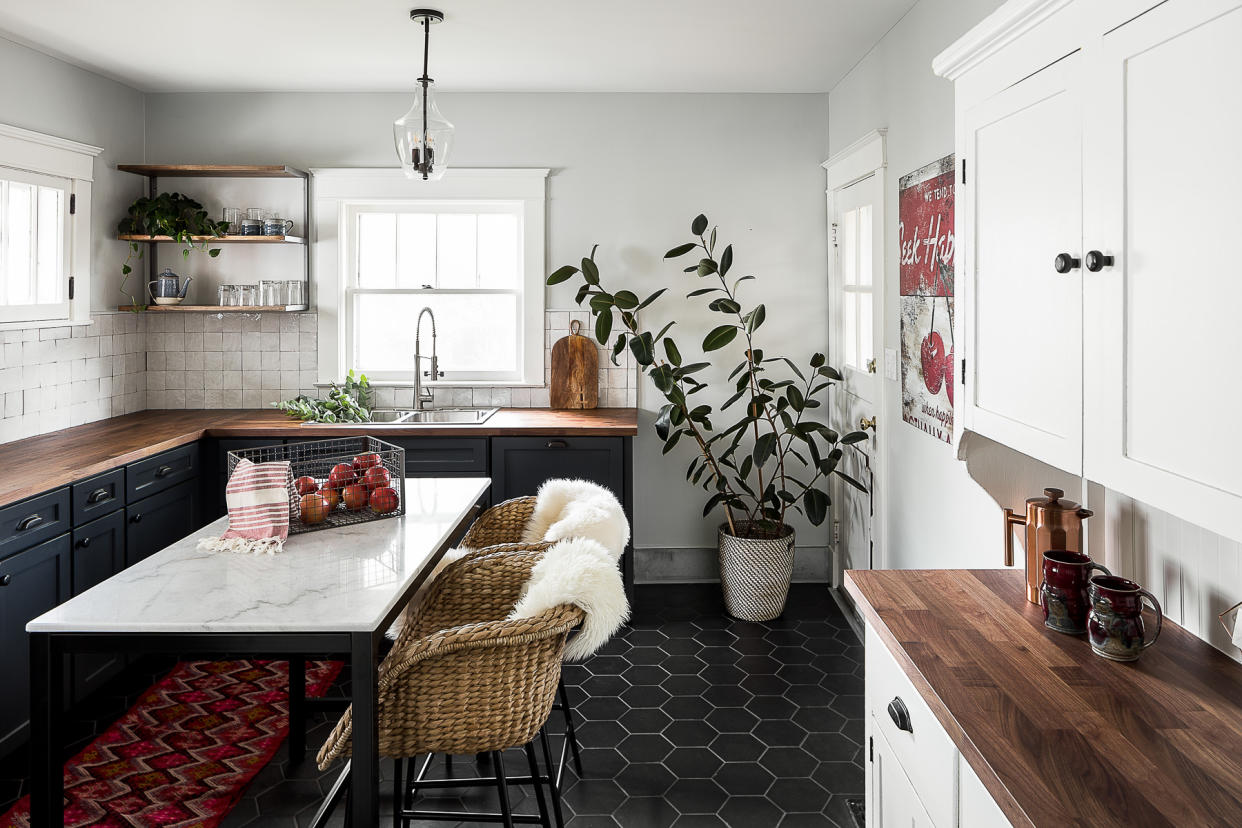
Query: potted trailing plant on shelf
(770, 458)
(168, 214)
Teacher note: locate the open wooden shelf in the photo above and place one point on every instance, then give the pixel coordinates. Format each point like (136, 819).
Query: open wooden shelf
(214, 170)
(220, 308)
(140, 237)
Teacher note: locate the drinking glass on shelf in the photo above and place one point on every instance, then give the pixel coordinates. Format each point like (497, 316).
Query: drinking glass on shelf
(233, 217)
(226, 296)
(247, 295)
(271, 292)
(255, 213)
(295, 292)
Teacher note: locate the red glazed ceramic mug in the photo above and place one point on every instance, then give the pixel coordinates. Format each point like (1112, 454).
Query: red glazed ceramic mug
(1115, 623)
(1063, 594)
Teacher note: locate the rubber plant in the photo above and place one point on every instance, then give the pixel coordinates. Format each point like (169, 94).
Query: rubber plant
(168, 214)
(770, 458)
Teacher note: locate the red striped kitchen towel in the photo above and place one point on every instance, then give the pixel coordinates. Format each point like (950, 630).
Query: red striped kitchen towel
(258, 496)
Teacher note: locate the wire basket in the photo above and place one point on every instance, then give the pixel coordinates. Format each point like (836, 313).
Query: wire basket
(317, 458)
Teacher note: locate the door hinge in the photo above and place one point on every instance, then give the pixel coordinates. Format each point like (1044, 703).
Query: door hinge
(963, 170)
(836, 531)
(834, 234)
(71, 287)
(963, 372)
(73, 203)
(870, 748)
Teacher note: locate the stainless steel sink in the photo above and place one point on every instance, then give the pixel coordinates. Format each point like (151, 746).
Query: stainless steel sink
(406, 417)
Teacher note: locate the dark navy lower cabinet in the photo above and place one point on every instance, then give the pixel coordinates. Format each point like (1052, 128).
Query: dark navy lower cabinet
(31, 583)
(98, 553)
(160, 520)
(520, 465)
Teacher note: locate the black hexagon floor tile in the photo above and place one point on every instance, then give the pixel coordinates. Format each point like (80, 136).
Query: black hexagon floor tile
(687, 718)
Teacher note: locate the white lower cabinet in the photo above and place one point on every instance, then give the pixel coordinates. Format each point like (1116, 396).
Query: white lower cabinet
(915, 774)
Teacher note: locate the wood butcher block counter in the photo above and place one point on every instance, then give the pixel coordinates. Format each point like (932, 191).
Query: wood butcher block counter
(1055, 734)
(41, 463)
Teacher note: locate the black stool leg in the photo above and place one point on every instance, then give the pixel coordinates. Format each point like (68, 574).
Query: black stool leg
(502, 788)
(339, 788)
(544, 820)
(398, 795)
(554, 782)
(570, 734)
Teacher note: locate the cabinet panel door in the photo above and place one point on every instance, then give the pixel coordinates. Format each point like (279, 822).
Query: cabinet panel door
(33, 582)
(521, 464)
(159, 520)
(1162, 335)
(1023, 319)
(98, 553)
(894, 803)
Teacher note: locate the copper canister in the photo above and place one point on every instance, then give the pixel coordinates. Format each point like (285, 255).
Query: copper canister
(1051, 524)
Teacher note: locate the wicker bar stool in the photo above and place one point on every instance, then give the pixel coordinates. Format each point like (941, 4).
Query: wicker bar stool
(472, 688)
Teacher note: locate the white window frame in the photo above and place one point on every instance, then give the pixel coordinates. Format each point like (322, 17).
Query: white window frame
(27, 155)
(340, 194)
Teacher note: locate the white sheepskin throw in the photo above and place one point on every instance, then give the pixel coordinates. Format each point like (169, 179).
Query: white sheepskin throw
(582, 572)
(421, 593)
(578, 509)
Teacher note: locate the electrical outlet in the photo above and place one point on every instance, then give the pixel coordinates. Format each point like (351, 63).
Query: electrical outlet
(890, 363)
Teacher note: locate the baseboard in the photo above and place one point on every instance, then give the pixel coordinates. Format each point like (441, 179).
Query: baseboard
(691, 565)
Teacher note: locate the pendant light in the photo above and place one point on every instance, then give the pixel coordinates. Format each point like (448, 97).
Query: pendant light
(423, 136)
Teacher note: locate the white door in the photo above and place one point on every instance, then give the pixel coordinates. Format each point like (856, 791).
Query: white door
(856, 212)
(1021, 283)
(892, 802)
(1163, 338)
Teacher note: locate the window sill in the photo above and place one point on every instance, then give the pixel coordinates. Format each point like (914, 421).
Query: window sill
(443, 384)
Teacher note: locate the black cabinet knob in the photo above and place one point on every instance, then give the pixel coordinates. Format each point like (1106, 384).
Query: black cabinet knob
(6, 580)
(83, 543)
(135, 519)
(1064, 263)
(1097, 261)
(900, 714)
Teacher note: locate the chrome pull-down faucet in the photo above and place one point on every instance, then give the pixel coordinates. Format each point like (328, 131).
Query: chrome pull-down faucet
(423, 398)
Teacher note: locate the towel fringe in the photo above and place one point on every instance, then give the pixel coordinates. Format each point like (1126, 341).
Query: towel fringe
(243, 546)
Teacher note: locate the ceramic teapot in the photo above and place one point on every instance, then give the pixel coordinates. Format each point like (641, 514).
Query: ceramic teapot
(168, 286)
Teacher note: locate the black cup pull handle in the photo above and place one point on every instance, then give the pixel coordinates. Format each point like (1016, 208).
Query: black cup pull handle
(29, 522)
(163, 471)
(557, 444)
(1097, 261)
(98, 496)
(1064, 263)
(900, 714)
(6, 580)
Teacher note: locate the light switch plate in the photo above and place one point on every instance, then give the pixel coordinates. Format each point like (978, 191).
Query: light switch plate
(890, 363)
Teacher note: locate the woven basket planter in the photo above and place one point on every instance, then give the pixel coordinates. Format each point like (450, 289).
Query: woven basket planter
(755, 574)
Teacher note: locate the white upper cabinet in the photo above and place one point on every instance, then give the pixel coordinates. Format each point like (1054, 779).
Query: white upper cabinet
(1163, 335)
(1099, 291)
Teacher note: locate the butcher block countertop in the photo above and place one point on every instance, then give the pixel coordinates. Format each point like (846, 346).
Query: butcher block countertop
(1056, 734)
(40, 463)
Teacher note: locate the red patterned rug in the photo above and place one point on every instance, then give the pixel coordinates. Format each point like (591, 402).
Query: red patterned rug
(183, 754)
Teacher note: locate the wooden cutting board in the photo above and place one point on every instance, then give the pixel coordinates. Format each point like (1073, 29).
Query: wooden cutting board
(575, 371)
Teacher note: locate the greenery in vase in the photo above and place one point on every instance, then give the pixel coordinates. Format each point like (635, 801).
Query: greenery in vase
(350, 403)
(168, 214)
(770, 458)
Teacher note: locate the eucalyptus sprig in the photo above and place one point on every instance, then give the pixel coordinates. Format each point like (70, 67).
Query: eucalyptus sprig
(769, 460)
(348, 404)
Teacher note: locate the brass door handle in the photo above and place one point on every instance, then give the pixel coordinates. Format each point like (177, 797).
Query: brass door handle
(866, 422)
(871, 366)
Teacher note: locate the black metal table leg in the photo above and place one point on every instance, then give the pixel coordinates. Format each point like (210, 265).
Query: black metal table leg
(364, 779)
(297, 709)
(47, 791)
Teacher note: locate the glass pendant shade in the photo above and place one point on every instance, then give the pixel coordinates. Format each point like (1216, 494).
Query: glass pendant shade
(423, 136)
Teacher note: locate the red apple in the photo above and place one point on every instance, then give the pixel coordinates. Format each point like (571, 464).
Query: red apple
(366, 461)
(376, 477)
(949, 372)
(333, 496)
(342, 475)
(355, 497)
(314, 508)
(384, 500)
(306, 485)
(933, 362)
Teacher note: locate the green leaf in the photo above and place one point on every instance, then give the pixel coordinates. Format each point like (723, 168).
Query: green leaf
(641, 347)
(719, 337)
(853, 437)
(702, 291)
(724, 305)
(726, 260)
(765, 445)
(617, 348)
(796, 400)
(851, 481)
(215, 251)
(650, 299)
(603, 326)
(739, 281)
(698, 225)
(590, 272)
(830, 372)
(687, 370)
(816, 503)
(674, 355)
(706, 267)
(664, 421)
(817, 361)
(625, 300)
(126, 270)
(672, 441)
(601, 301)
(755, 319)
(562, 274)
(662, 376)
(680, 250)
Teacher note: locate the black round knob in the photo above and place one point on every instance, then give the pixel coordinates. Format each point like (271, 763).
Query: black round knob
(1064, 263)
(83, 543)
(136, 519)
(6, 580)
(1097, 261)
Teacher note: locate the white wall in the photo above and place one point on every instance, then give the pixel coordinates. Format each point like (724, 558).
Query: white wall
(48, 95)
(946, 513)
(629, 172)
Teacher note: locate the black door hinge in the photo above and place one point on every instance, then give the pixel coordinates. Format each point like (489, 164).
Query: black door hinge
(73, 203)
(870, 748)
(70, 287)
(963, 372)
(963, 170)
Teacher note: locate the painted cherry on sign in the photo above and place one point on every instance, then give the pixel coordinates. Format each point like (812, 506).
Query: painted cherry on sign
(932, 353)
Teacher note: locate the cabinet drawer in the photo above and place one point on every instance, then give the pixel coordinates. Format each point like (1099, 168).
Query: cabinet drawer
(96, 496)
(924, 751)
(33, 520)
(520, 465)
(163, 471)
(443, 456)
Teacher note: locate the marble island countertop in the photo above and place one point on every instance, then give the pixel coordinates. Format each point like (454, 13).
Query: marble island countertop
(341, 579)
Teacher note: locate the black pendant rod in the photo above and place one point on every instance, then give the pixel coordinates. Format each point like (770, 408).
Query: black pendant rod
(426, 82)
